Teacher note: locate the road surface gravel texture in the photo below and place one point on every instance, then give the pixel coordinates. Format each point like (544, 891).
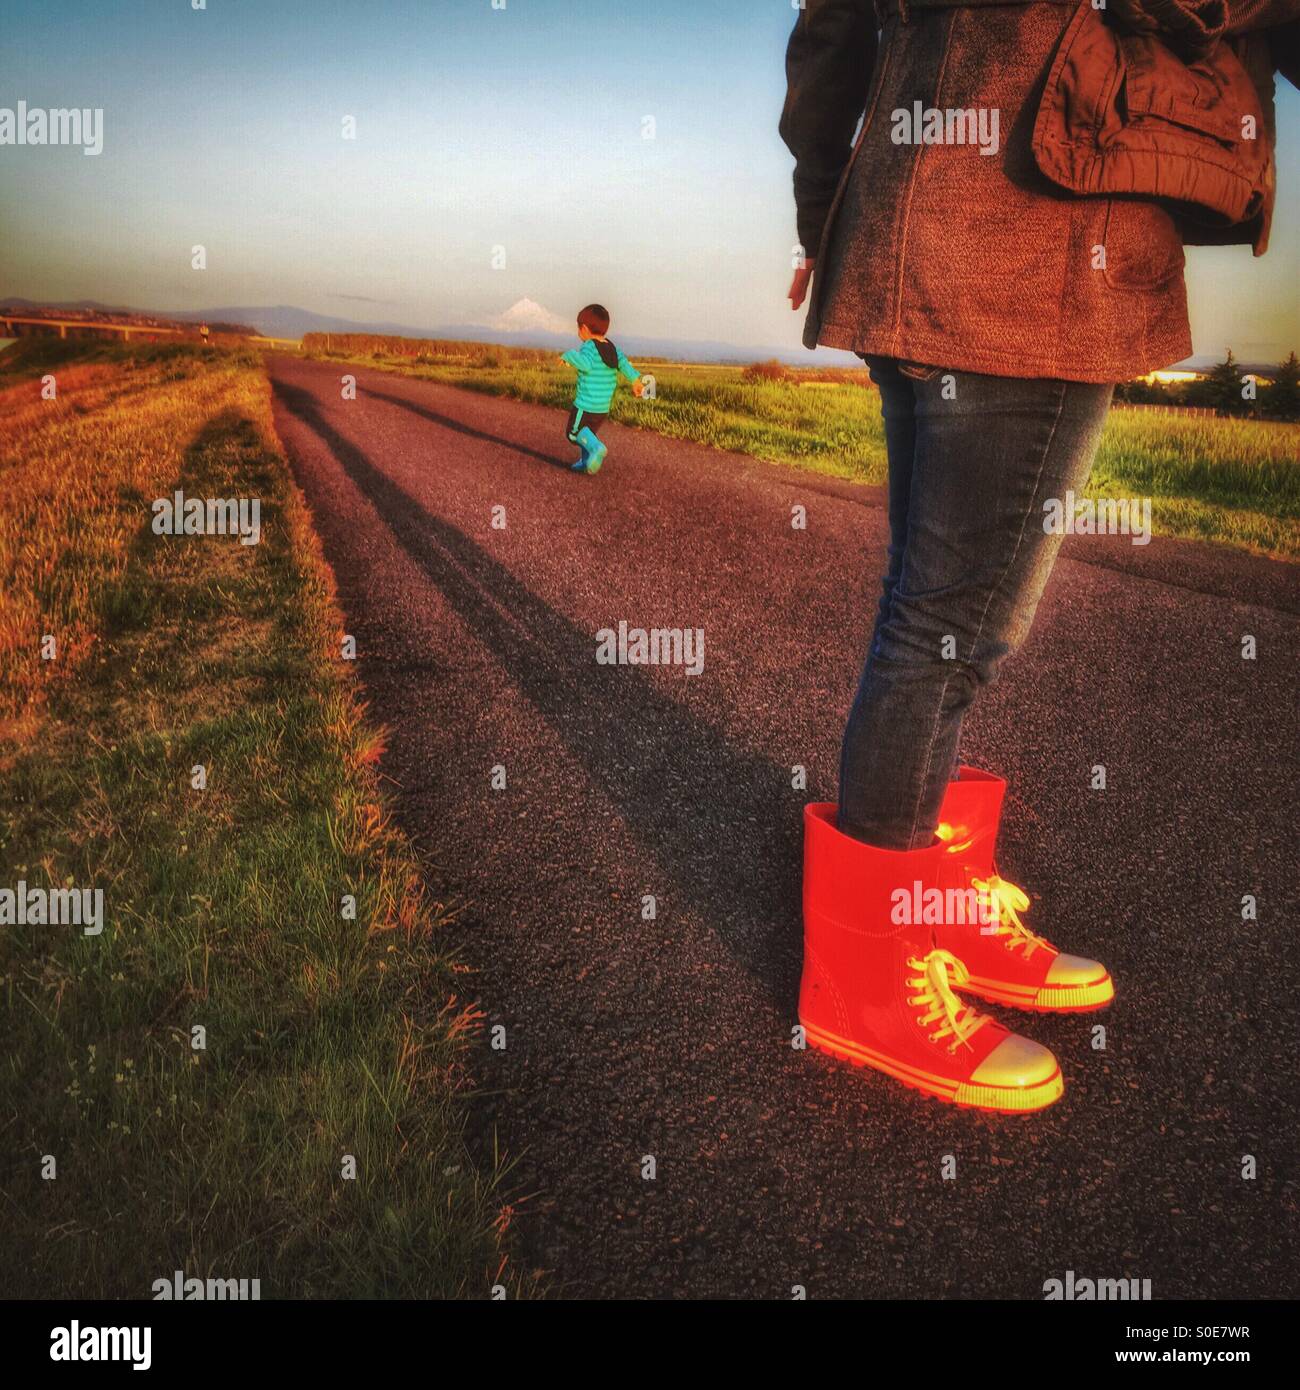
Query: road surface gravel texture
(670, 1038)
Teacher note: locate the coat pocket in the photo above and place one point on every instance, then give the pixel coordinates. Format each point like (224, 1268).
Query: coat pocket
(1143, 248)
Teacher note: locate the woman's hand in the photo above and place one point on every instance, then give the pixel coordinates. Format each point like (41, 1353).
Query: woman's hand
(799, 285)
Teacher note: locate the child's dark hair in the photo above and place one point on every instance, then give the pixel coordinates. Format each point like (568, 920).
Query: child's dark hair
(595, 318)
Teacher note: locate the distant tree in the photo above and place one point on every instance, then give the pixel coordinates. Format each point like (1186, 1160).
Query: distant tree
(1282, 400)
(1221, 389)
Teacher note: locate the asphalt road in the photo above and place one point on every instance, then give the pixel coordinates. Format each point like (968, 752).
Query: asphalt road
(670, 1037)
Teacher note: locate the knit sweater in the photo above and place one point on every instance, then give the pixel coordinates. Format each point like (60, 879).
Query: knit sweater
(597, 377)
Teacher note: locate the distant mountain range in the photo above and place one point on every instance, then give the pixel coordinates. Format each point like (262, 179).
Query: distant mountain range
(525, 324)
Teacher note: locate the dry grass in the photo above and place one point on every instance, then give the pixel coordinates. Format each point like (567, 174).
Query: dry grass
(327, 1035)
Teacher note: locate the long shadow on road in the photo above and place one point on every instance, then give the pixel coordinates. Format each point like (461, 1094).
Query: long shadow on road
(667, 772)
(447, 422)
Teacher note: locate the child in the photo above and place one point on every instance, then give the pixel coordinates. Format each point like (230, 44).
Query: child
(598, 364)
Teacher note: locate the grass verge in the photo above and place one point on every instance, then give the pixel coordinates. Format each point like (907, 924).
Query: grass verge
(1231, 481)
(130, 1152)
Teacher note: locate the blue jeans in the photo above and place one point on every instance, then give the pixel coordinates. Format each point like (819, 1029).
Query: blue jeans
(972, 459)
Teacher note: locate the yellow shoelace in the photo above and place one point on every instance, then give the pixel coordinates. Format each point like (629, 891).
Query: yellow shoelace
(955, 1019)
(1007, 899)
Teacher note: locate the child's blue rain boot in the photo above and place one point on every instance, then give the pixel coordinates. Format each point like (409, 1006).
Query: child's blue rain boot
(593, 450)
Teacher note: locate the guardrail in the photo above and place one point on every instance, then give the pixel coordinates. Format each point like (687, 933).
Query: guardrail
(62, 326)
(1154, 406)
(95, 328)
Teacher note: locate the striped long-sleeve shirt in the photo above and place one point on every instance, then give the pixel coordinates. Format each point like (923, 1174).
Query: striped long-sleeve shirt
(597, 379)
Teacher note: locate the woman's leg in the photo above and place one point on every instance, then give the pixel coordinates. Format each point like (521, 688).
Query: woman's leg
(894, 381)
(972, 460)
(900, 445)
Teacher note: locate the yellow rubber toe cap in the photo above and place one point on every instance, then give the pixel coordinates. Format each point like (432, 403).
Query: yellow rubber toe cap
(1017, 1075)
(1075, 972)
(1016, 1061)
(1075, 983)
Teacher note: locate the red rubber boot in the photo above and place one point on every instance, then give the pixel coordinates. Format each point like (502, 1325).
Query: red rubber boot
(1007, 963)
(878, 992)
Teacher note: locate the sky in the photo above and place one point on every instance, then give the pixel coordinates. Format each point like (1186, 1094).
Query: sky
(500, 154)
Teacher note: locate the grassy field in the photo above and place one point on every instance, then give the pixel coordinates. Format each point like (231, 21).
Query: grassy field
(1231, 481)
(325, 1036)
